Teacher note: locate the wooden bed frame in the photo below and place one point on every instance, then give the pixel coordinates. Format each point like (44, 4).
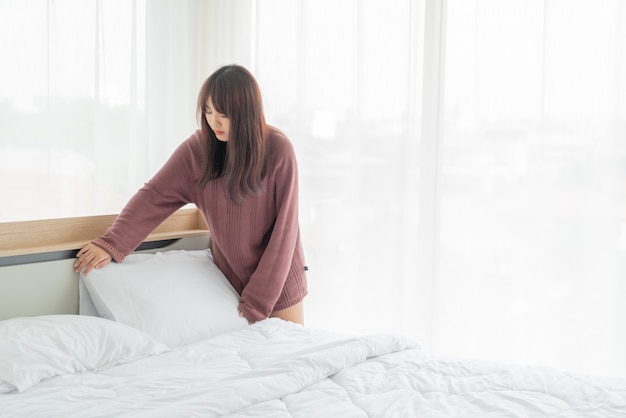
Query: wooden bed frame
(32, 237)
(36, 257)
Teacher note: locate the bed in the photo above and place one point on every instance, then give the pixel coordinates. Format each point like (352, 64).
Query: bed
(130, 343)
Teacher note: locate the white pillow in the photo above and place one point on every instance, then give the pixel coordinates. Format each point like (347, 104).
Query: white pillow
(37, 348)
(178, 297)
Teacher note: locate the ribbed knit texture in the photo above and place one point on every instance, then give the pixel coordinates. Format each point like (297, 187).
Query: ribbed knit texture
(256, 243)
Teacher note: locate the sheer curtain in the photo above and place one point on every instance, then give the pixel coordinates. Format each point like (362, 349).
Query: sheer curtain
(532, 255)
(346, 87)
(462, 162)
(94, 95)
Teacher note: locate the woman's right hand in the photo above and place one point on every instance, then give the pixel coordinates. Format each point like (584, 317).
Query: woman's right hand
(90, 257)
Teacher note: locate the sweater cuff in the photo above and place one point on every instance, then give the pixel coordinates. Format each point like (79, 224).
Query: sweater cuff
(250, 314)
(117, 256)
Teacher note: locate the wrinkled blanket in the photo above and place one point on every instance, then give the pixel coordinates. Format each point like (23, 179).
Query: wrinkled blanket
(278, 369)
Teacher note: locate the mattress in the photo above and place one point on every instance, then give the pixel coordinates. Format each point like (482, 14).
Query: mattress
(278, 369)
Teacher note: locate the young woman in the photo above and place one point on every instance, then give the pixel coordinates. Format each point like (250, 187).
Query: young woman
(242, 175)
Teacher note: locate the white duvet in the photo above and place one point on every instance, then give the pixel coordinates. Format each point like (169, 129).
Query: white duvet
(278, 369)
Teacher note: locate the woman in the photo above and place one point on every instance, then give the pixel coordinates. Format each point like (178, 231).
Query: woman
(242, 175)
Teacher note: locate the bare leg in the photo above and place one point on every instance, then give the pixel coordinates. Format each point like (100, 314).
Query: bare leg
(293, 313)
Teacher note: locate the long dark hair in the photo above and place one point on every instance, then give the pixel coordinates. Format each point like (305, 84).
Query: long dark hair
(234, 93)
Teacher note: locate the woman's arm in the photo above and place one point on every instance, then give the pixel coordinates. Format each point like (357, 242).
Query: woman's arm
(167, 191)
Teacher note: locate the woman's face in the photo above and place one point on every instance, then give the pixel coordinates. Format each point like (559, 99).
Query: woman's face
(220, 124)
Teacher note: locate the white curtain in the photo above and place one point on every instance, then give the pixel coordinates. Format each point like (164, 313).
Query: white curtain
(94, 95)
(344, 81)
(531, 262)
(462, 162)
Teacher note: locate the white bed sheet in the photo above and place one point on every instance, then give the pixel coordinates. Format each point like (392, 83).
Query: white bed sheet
(279, 369)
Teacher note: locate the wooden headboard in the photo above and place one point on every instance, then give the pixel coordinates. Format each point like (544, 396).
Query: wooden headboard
(36, 257)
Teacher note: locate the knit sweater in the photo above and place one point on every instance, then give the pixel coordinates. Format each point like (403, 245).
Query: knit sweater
(256, 243)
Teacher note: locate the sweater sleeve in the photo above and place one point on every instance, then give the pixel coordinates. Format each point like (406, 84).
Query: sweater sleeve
(168, 190)
(266, 283)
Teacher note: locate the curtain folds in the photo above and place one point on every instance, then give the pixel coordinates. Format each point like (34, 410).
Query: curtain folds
(532, 256)
(94, 96)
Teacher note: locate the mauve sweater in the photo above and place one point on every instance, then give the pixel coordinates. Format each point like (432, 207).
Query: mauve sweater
(255, 243)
